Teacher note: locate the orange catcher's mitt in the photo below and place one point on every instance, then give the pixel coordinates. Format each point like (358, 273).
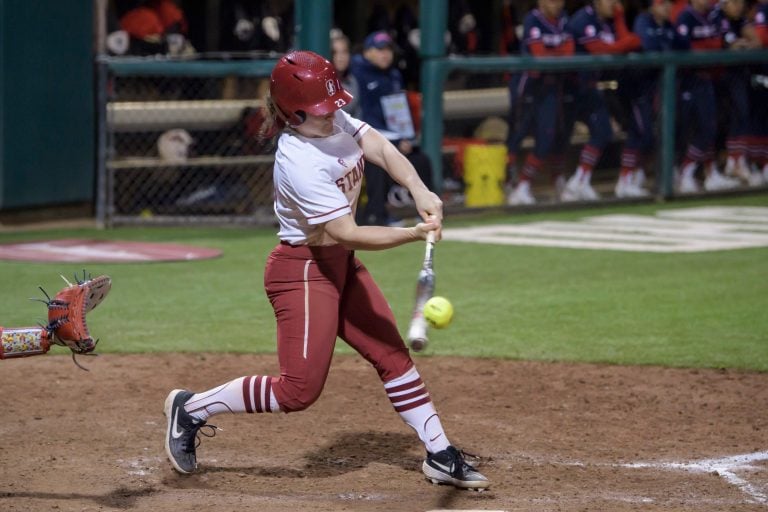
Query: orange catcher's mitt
(67, 310)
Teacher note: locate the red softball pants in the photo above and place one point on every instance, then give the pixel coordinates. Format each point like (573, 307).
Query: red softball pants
(319, 294)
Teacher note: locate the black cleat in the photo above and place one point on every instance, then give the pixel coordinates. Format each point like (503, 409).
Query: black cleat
(181, 434)
(449, 467)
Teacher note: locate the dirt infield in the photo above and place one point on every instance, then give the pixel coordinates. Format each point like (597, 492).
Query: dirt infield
(550, 437)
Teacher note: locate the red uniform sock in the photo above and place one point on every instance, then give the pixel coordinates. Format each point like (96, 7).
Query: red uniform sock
(629, 159)
(588, 159)
(531, 167)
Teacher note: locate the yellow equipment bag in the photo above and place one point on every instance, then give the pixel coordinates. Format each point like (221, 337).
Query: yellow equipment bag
(485, 169)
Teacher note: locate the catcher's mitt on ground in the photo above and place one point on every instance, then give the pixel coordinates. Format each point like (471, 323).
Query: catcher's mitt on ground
(67, 310)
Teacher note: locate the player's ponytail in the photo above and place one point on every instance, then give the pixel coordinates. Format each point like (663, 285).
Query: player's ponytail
(273, 122)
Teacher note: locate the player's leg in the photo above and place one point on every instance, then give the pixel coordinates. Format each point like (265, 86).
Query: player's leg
(686, 136)
(639, 140)
(520, 120)
(739, 128)
(368, 325)
(515, 122)
(705, 109)
(649, 113)
(302, 284)
(759, 146)
(545, 124)
(557, 161)
(377, 184)
(594, 112)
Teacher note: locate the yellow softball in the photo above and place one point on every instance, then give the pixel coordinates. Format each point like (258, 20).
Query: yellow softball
(438, 312)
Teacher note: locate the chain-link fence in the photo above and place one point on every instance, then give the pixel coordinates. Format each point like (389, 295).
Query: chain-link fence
(179, 139)
(183, 147)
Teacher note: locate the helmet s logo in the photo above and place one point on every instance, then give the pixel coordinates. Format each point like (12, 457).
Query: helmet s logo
(330, 86)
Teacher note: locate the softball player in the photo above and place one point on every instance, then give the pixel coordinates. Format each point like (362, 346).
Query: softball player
(598, 29)
(734, 85)
(318, 288)
(758, 146)
(639, 89)
(696, 31)
(540, 93)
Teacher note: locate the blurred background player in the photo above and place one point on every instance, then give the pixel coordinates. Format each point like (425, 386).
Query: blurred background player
(758, 147)
(733, 86)
(678, 6)
(318, 288)
(597, 29)
(639, 91)
(538, 95)
(340, 57)
(382, 99)
(697, 31)
(156, 27)
(249, 26)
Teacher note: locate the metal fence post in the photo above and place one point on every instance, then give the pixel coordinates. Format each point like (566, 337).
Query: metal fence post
(669, 107)
(313, 26)
(101, 143)
(432, 52)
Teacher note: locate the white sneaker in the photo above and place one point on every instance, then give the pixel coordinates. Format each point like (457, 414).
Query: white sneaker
(737, 168)
(398, 196)
(587, 192)
(730, 166)
(638, 177)
(686, 182)
(689, 170)
(572, 190)
(559, 186)
(687, 185)
(716, 181)
(521, 195)
(755, 179)
(626, 188)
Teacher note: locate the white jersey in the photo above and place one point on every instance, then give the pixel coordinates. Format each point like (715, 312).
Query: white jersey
(317, 180)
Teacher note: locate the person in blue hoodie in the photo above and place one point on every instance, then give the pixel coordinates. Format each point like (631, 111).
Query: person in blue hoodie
(384, 106)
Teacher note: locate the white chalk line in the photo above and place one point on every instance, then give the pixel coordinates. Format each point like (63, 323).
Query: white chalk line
(726, 467)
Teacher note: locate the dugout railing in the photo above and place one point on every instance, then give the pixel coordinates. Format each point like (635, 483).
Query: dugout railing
(141, 99)
(434, 72)
(223, 180)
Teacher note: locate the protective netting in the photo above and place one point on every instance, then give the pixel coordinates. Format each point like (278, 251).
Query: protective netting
(185, 147)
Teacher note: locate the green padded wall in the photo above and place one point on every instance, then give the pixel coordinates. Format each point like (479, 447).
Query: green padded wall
(46, 103)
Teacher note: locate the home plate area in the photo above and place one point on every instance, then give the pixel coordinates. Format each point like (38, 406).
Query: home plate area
(679, 230)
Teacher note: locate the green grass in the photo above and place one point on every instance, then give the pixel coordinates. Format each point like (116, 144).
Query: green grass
(694, 310)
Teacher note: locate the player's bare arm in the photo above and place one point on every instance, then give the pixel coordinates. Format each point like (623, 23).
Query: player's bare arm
(383, 153)
(346, 232)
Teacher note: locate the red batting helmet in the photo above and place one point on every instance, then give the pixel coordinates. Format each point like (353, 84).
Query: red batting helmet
(303, 82)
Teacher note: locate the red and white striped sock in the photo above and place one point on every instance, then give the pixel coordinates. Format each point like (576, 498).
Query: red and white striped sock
(244, 394)
(629, 159)
(588, 159)
(531, 168)
(410, 398)
(737, 146)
